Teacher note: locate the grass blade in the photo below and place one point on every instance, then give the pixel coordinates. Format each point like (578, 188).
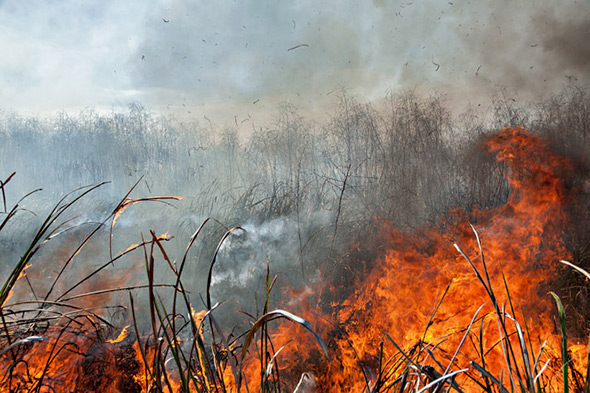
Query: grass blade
(563, 341)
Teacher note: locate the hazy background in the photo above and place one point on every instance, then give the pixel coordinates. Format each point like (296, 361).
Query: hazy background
(230, 61)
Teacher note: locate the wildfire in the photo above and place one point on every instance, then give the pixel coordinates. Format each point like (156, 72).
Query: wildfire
(425, 309)
(400, 305)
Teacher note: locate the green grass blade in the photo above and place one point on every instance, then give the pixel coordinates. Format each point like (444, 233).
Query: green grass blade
(563, 341)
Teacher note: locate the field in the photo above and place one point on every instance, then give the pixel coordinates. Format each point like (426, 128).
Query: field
(396, 247)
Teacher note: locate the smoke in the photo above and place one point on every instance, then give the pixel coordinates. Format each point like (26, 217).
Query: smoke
(231, 62)
(563, 42)
(64, 55)
(250, 249)
(516, 46)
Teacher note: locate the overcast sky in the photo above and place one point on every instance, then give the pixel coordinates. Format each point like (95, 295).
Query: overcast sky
(237, 58)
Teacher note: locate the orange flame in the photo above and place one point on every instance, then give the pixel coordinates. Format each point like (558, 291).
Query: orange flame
(521, 246)
(122, 336)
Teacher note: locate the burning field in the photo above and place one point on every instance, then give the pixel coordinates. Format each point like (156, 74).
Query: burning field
(293, 197)
(466, 304)
(478, 313)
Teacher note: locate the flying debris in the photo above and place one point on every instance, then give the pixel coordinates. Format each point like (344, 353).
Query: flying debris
(477, 72)
(166, 20)
(195, 149)
(297, 46)
(258, 99)
(436, 64)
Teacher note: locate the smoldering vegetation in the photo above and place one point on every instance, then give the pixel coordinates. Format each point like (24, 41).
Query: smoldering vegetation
(309, 197)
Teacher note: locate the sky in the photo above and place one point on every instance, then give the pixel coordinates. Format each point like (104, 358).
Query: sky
(229, 61)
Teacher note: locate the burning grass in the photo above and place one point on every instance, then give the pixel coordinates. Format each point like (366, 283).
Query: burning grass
(425, 317)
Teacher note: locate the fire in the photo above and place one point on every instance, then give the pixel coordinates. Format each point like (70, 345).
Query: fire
(68, 357)
(122, 336)
(424, 309)
(400, 305)
(22, 274)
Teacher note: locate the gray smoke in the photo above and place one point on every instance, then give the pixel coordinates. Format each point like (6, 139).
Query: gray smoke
(233, 63)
